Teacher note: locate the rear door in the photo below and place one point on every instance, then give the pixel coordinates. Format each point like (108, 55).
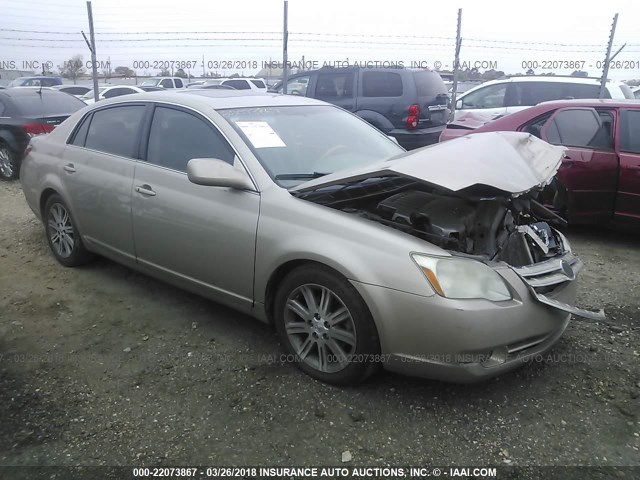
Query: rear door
(589, 172)
(97, 170)
(337, 88)
(628, 202)
(198, 237)
(381, 99)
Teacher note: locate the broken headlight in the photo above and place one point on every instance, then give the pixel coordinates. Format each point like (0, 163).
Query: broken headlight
(462, 278)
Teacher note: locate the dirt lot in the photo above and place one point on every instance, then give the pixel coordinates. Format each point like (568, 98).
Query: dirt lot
(103, 366)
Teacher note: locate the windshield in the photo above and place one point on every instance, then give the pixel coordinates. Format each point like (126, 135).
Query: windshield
(152, 82)
(89, 94)
(297, 143)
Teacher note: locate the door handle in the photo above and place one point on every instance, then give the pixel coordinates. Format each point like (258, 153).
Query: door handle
(145, 190)
(69, 168)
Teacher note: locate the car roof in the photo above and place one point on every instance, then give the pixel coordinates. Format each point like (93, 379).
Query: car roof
(218, 99)
(35, 77)
(593, 102)
(26, 91)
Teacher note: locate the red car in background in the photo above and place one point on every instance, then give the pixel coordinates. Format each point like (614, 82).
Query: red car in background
(599, 179)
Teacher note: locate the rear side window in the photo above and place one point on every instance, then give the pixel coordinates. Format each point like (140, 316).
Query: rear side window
(334, 86)
(49, 82)
(630, 126)
(74, 90)
(575, 90)
(81, 133)
(259, 83)
(429, 84)
(116, 130)
(533, 93)
(46, 103)
(177, 136)
(178, 83)
(578, 128)
(381, 84)
(238, 84)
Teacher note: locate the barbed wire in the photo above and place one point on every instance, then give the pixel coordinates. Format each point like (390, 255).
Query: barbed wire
(295, 34)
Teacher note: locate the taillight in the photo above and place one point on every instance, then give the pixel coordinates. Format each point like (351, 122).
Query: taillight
(33, 129)
(414, 117)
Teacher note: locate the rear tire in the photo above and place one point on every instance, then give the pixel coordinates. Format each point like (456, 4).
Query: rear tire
(62, 235)
(326, 326)
(9, 168)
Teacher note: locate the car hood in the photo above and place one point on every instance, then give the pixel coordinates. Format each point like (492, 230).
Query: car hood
(513, 162)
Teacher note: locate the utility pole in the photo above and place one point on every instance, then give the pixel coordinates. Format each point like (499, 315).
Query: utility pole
(456, 63)
(285, 41)
(92, 48)
(204, 74)
(607, 59)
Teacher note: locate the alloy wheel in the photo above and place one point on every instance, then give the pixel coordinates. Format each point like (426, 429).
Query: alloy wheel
(320, 328)
(6, 162)
(61, 231)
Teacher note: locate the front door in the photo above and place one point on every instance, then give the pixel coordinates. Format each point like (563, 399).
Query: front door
(589, 171)
(199, 237)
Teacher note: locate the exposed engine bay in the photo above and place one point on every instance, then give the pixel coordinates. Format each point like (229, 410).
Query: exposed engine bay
(499, 228)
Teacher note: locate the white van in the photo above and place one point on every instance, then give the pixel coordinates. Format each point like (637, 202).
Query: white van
(508, 95)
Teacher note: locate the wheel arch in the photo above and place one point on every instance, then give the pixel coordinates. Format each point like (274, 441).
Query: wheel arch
(276, 278)
(44, 197)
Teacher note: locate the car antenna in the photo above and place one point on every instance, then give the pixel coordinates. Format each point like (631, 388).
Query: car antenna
(40, 89)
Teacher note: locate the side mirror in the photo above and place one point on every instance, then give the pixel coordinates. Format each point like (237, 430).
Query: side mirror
(214, 172)
(459, 104)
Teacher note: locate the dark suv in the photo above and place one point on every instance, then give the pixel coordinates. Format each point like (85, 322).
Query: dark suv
(410, 105)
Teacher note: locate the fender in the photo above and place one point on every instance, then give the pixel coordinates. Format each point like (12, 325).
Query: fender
(10, 139)
(376, 119)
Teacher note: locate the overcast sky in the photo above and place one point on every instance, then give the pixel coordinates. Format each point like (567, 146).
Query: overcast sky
(502, 34)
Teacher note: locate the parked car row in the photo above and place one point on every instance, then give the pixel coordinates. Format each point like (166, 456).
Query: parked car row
(361, 255)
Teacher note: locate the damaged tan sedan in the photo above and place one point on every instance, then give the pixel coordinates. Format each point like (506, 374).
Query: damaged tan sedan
(436, 262)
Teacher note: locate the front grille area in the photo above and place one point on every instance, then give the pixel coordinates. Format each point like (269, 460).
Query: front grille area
(545, 277)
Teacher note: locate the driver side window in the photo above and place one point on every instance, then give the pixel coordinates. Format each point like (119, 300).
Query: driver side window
(488, 97)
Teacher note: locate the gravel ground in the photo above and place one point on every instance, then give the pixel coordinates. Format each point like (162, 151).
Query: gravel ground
(103, 366)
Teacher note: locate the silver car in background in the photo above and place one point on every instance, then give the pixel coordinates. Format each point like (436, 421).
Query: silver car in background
(303, 215)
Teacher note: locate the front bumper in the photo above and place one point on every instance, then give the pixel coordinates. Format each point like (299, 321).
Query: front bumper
(467, 340)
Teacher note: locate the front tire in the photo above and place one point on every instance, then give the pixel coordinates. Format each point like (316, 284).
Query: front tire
(326, 327)
(8, 163)
(62, 235)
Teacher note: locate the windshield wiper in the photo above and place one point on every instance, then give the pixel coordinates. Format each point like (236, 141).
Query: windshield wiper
(300, 176)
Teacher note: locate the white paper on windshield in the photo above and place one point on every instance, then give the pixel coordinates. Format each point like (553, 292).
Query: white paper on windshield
(260, 134)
